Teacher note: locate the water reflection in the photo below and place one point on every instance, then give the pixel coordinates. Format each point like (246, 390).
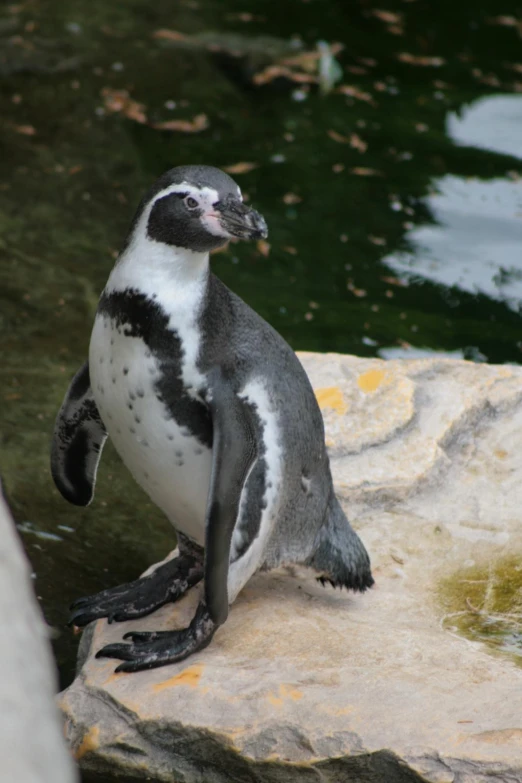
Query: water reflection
(492, 123)
(397, 352)
(473, 241)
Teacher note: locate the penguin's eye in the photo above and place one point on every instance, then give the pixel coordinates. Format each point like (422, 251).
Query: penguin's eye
(191, 202)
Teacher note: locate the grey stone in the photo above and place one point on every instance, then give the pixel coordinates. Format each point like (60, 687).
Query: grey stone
(32, 747)
(304, 683)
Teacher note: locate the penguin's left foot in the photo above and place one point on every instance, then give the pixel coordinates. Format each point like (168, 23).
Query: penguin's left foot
(167, 583)
(150, 649)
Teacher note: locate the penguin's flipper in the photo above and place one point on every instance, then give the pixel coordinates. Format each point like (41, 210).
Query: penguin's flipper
(234, 451)
(78, 438)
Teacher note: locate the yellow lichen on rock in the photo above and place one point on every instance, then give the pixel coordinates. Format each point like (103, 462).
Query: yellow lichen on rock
(190, 676)
(291, 693)
(371, 380)
(332, 397)
(90, 741)
(285, 692)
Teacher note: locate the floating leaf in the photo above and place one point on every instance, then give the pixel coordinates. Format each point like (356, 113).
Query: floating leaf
(505, 21)
(263, 247)
(246, 16)
(197, 124)
(292, 198)
(120, 102)
(114, 100)
(276, 71)
(169, 35)
(338, 137)
(361, 171)
(359, 292)
(308, 60)
(25, 130)
(393, 20)
(491, 80)
(310, 67)
(355, 92)
(134, 111)
(414, 59)
(393, 281)
(357, 143)
(240, 168)
(389, 17)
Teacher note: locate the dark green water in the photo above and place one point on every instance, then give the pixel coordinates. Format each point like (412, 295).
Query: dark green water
(403, 232)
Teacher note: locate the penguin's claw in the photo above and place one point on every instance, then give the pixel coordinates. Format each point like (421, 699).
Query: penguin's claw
(150, 649)
(139, 598)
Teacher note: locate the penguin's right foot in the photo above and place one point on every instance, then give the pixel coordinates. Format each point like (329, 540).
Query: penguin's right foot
(167, 583)
(150, 649)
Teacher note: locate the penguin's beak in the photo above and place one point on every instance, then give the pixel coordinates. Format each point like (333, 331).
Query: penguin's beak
(240, 221)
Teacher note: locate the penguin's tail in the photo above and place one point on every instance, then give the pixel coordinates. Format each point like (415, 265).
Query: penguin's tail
(339, 556)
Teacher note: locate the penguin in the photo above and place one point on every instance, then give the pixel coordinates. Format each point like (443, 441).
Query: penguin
(212, 413)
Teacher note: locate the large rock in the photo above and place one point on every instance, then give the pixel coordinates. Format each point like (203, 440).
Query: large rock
(305, 683)
(32, 747)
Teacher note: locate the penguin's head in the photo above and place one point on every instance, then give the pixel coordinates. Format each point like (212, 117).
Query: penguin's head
(198, 208)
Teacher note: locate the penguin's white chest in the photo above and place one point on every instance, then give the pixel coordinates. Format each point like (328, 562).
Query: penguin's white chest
(165, 458)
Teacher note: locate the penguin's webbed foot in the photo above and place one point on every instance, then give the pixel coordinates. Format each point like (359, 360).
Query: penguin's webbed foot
(136, 599)
(150, 649)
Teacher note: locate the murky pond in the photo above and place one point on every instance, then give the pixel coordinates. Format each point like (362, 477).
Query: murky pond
(393, 197)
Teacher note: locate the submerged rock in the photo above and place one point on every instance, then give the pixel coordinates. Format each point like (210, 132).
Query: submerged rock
(305, 683)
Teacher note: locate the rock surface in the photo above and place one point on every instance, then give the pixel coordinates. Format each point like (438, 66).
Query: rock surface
(305, 683)
(32, 748)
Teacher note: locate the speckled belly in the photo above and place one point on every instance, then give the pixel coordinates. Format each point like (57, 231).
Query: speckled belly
(170, 464)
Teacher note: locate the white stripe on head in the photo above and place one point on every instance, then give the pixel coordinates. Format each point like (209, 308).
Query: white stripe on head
(206, 198)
